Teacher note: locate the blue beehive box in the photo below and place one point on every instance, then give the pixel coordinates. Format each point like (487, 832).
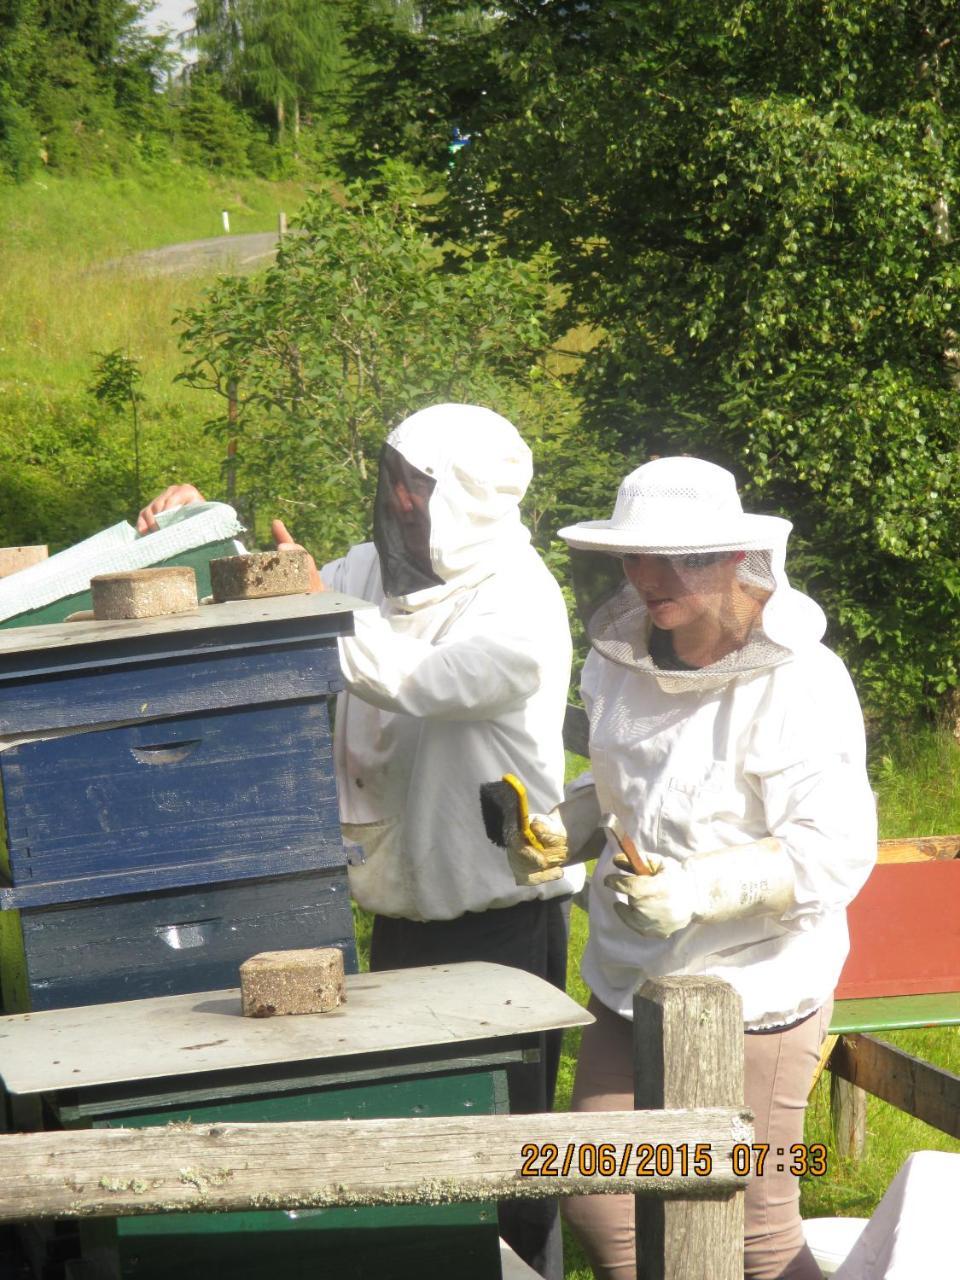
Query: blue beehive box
(170, 803)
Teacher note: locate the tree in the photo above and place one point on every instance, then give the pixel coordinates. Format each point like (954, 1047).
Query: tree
(20, 58)
(274, 55)
(750, 205)
(356, 326)
(417, 71)
(116, 384)
(77, 81)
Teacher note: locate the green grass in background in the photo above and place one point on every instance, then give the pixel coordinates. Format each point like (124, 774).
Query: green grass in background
(58, 307)
(66, 462)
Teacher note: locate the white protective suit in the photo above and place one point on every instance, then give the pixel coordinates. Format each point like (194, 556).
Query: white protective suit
(453, 684)
(777, 750)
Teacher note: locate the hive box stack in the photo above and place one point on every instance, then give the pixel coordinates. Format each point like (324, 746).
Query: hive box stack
(170, 802)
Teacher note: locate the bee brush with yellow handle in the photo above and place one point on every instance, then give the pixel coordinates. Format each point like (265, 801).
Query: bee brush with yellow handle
(537, 846)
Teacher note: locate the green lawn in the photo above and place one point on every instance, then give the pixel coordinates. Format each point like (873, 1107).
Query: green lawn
(57, 309)
(67, 462)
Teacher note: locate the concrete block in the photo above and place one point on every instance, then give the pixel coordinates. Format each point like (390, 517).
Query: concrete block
(281, 982)
(262, 573)
(13, 559)
(144, 593)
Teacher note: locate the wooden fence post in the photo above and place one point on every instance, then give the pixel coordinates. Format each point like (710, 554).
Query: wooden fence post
(688, 1052)
(848, 1117)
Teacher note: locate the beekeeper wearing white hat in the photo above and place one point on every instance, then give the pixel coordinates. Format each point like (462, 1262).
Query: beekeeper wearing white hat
(729, 743)
(457, 674)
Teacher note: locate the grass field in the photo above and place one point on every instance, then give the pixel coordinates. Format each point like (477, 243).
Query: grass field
(57, 310)
(67, 462)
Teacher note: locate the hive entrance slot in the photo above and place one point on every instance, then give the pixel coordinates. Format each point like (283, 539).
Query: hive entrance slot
(189, 933)
(165, 752)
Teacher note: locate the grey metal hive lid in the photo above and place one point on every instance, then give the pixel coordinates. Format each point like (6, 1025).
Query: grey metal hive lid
(172, 1036)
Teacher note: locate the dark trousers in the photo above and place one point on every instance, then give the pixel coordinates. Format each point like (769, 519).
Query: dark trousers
(531, 936)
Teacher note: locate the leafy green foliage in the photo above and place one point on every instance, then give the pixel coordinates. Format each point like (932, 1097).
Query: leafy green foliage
(116, 383)
(357, 325)
(214, 130)
(78, 84)
(277, 58)
(68, 469)
(19, 138)
(418, 70)
(754, 208)
(81, 85)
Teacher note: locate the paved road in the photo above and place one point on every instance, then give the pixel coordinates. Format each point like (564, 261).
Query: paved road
(219, 253)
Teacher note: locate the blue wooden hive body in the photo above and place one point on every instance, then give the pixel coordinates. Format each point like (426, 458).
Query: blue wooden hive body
(188, 819)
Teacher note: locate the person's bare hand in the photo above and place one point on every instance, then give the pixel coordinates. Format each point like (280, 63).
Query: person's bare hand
(283, 541)
(177, 495)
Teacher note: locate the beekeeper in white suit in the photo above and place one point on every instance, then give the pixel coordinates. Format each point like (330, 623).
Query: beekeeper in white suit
(458, 674)
(729, 743)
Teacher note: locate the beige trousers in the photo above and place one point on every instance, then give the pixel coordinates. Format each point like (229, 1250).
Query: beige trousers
(778, 1070)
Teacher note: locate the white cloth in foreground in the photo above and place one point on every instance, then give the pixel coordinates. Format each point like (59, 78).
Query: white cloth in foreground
(912, 1234)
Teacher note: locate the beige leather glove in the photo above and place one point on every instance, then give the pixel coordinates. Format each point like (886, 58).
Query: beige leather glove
(725, 884)
(569, 833)
(536, 866)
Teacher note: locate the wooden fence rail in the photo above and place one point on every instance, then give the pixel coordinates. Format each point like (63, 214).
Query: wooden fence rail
(919, 1088)
(344, 1163)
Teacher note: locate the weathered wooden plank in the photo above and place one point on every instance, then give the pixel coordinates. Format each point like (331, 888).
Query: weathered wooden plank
(115, 1172)
(688, 1049)
(14, 559)
(294, 633)
(918, 849)
(328, 609)
(319, 853)
(141, 806)
(930, 1093)
(848, 1117)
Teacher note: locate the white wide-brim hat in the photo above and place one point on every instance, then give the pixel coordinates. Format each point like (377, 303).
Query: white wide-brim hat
(673, 506)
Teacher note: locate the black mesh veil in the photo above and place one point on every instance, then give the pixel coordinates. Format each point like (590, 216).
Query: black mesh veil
(401, 525)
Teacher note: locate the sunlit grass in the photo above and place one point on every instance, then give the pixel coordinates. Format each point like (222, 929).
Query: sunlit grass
(59, 306)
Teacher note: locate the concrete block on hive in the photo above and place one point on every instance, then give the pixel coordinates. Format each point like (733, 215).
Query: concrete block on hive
(281, 982)
(144, 593)
(13, 559)
(262, 573)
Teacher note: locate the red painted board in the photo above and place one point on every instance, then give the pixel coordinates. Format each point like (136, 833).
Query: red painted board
(904, 932)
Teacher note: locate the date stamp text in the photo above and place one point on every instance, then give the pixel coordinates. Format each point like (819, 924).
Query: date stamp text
(660, 1160)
